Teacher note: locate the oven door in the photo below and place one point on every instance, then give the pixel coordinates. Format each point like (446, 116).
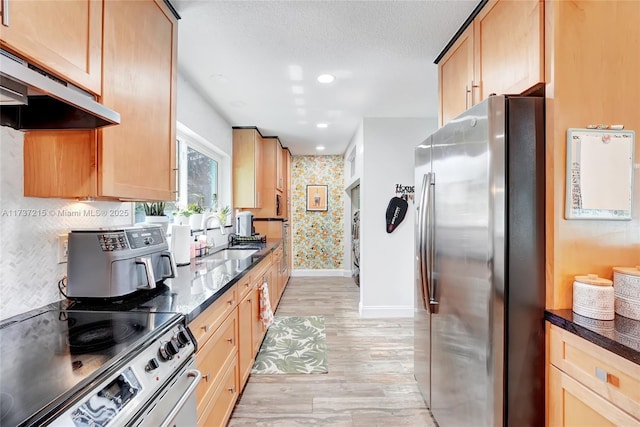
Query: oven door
(175, 403)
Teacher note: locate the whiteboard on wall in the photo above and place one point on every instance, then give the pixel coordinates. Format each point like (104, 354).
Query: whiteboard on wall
(599, 174)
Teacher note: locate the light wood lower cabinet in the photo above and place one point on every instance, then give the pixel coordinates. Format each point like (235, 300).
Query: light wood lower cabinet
(218, 352)
(246, 355)
(223, 400)
(571, 404)
(588, 385)
(229, 334)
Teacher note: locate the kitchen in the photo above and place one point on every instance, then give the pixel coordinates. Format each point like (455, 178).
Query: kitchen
(572, 246)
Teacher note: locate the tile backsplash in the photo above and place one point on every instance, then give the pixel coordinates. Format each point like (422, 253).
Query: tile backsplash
(29, 229)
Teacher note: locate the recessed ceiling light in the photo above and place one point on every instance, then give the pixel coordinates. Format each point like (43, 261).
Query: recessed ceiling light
(322, 125)
(326, 78)
(320, 147)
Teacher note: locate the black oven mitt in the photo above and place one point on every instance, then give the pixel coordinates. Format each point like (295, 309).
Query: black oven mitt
(396, 211)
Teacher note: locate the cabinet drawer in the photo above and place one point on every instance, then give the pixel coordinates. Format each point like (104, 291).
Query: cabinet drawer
(244, 287)
(213, 357)
(607, 374)
(207, 322)
(223, 400)
(573, 404)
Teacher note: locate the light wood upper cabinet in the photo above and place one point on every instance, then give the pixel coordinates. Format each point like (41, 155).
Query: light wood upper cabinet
(508, 47)
(137, 158)
(455, 75)
(258, 172)
(247, 168)
(279, 167)
(64, 37)
(500, 52)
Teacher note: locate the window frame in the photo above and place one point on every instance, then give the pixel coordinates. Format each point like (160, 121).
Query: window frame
(185, 137)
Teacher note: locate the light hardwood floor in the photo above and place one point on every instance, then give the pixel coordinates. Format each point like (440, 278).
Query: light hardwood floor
(370, 380)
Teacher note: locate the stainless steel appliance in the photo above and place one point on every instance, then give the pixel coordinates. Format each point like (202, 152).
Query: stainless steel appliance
(98, 368)
(117, 262)
(244, 223)
(33, 99)
(479, 320)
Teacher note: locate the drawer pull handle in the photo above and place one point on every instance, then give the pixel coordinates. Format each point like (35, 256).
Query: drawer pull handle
(232, 389)
(206, 377)
(230, 302)
(230, 340)
(205, 328)
(605, 376)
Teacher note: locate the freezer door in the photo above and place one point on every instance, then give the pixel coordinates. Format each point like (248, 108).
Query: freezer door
(421, 330)
(463, 371)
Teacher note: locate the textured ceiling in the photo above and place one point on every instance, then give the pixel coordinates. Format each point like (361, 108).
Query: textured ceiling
(257, 61)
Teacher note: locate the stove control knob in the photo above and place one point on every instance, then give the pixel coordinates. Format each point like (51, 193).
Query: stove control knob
(182, 338)
(168, 350)
(152, 365)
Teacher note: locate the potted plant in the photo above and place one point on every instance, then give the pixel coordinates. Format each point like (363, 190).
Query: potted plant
(154, 214)
(197, 210)
(182, 216)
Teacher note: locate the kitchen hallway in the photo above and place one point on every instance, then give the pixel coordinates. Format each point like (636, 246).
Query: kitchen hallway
(370, 380)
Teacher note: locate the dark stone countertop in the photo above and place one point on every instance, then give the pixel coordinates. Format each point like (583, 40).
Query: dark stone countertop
(620, 336)
(195, 287)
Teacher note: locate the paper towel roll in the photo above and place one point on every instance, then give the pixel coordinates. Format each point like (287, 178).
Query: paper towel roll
(180, 242)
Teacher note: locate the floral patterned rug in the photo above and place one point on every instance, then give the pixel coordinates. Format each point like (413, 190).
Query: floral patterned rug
(293, 345)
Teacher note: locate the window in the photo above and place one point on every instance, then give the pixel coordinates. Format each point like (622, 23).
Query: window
(203, 170)
(198, 179)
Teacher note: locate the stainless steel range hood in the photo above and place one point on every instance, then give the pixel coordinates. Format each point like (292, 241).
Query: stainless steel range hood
(32, 99)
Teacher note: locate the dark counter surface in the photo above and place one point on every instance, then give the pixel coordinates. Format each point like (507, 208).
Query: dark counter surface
(195, 287)
(620, 336)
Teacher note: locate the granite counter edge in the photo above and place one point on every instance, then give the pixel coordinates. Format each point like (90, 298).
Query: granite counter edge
(560, 319)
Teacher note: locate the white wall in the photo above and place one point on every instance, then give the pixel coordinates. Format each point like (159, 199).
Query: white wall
(204, 125)
(386, 260)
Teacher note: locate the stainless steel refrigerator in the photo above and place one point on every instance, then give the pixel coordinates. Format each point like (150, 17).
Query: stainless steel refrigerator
(480, 290)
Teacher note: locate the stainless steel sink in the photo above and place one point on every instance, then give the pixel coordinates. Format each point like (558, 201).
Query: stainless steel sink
(227, 254)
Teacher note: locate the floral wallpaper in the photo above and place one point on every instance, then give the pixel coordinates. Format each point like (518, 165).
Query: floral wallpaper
(318, 235)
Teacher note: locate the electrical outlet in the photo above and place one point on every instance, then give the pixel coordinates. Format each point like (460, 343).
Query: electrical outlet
(63, 248)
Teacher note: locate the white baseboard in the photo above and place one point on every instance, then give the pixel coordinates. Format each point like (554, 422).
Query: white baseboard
(385, 311)
(318, 273)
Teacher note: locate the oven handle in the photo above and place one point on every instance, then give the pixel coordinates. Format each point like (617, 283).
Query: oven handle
(196, 375)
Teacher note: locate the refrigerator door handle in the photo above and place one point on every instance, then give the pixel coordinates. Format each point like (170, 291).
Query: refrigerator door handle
(430, 241)
(422, 243)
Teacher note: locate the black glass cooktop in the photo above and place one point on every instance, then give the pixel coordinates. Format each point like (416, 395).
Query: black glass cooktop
(48, 357)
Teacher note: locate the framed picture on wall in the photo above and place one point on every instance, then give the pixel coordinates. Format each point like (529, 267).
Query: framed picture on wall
(317, 196)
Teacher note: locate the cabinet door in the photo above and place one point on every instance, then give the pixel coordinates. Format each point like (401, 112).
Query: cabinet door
(455, 75)
(279, 167)
(64, 37)
(247, 168)
(138, 157)
(509, 47)
(571, 404)
(246, 354)
(257, 330)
